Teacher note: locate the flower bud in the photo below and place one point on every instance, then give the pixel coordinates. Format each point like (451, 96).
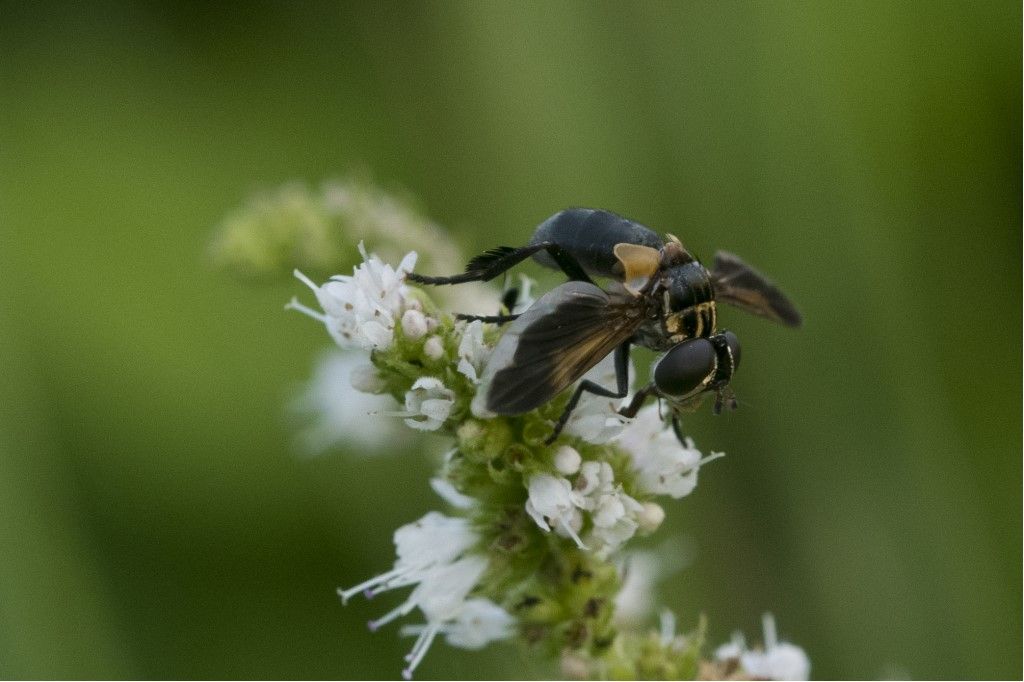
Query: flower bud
(433, 348)
(414, 324)
(650, 517)
(567, 460)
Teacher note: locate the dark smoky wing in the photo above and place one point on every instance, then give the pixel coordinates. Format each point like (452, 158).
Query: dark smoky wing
(554, 343)
(739, 284)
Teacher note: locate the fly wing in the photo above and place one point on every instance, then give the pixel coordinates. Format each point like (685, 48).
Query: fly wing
(565, 333)
(737, 283)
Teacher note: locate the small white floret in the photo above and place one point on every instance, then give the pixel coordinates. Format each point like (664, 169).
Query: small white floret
(634, 602)
(473, 352)
(553, 501)
(365, 378)
(776, 661)
(665, 466)
(428, 404)
(341, 416)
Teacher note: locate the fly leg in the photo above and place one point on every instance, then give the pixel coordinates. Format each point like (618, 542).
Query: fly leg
(638, 401)
(629, 411)
(508, 303)
(677, 428)
(622, 385)
(496, 319)
(510, 298)
(490, 264)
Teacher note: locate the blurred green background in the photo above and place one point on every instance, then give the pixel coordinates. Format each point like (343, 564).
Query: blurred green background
(154, 519)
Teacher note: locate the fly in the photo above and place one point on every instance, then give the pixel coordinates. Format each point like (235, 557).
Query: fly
(659, 297)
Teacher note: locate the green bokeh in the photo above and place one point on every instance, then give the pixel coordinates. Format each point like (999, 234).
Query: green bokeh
(154, 521)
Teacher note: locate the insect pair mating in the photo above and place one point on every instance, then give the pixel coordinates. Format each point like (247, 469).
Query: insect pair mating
(659, 297)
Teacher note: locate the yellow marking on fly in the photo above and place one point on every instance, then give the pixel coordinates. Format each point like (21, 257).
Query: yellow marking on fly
(639, 264)
(673, 323)
(707, 310)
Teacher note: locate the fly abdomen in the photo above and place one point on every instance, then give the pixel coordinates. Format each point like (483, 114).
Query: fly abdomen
(590, 236)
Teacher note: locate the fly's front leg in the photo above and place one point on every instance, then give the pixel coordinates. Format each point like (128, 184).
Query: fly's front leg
(622, 384)
(490, 264)
(677, 428)
(629, 411)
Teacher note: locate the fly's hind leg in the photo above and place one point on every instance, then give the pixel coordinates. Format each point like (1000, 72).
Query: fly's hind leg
(587, 386)
(490, 264)
(495, 319)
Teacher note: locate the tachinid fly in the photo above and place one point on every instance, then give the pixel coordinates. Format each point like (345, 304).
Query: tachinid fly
(660, 297)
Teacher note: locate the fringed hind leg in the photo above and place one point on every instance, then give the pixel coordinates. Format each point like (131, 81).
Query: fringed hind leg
(490, 264)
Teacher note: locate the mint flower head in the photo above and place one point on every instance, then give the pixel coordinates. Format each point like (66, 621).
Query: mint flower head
(535, 543)
(361, 310)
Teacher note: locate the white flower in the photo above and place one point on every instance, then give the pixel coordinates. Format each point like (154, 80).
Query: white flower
(609, 509)
(431, 556)
(594, 477)
(441, 595)
(478, 623)
(428, 404)
(473, 352)
(421, 546)
(360, 310)
(607, 539)
(615, 521)
(365, 378)
(777, 661)
(343, 416)
(596, 419)
(665, 466)
(635, 600)
(732, 649)
(552, 500)
(613, 513)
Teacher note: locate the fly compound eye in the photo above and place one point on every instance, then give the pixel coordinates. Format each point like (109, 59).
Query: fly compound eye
(734, 348)
(686, 368)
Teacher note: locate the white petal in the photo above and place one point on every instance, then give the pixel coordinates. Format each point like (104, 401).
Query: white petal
(444, 488)
(479, 623)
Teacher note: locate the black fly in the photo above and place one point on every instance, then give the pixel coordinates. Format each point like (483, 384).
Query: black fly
(661, 297)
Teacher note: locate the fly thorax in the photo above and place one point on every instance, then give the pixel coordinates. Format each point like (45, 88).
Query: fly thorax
(688, 301)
